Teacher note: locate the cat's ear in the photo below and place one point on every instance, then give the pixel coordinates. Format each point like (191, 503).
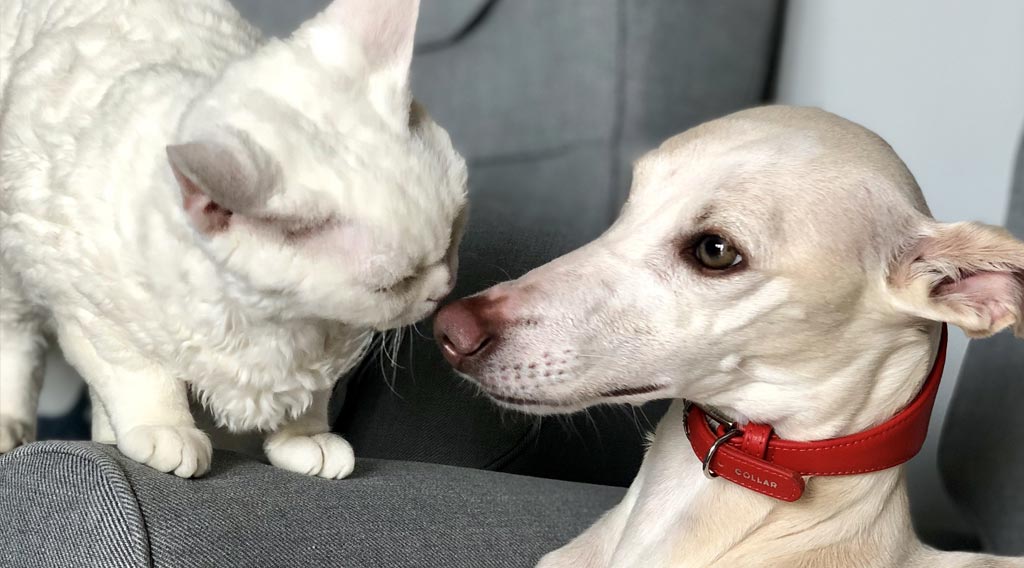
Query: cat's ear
(383, 30)
(219, 179)
(966, 274)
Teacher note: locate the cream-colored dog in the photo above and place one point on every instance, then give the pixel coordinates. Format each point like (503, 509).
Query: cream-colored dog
(781, 265)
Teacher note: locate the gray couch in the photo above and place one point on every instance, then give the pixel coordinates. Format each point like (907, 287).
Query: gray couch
(981, 456)
(550, 101)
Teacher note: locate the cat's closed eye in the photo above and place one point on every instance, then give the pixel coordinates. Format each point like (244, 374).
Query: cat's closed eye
(398, 285)
(302, 229)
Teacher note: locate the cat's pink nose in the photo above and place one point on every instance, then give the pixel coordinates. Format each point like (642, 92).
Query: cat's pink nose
(467, 330)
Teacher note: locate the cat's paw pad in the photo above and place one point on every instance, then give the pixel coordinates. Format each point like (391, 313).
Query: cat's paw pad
(185, 451)
(14, 433)
(325, 455)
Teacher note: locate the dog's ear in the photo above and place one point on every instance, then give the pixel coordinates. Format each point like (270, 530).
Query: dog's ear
(967, 274)
(219, 179)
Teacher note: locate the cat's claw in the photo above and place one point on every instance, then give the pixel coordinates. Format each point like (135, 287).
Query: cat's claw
(14, 433)
(185, 451)
(325, 455)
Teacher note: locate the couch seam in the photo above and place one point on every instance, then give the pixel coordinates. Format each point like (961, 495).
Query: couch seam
(460, 35)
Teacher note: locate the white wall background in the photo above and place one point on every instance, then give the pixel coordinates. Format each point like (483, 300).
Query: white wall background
(943, 82)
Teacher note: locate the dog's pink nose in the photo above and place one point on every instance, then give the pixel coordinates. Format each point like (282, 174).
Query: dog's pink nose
(466, 329)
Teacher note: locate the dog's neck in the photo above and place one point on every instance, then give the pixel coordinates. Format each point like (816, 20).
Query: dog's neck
(684, 519)
(679, 518)
(836, 391)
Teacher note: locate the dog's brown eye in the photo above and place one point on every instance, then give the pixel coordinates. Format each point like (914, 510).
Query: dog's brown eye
(716, 253)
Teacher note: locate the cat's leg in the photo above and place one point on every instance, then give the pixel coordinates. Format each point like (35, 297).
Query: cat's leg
(306, 445)
(22, 350)
(102, 431)
(148, 408)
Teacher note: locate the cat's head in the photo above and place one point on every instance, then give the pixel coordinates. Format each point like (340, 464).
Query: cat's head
(315, 182)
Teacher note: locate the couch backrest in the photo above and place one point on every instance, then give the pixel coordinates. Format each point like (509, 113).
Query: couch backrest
(550, 102)
(980, 451)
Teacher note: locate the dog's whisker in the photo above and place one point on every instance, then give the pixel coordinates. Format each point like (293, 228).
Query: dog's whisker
(595, 356)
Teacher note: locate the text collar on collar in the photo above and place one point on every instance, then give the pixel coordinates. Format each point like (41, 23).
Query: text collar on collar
(752, 456)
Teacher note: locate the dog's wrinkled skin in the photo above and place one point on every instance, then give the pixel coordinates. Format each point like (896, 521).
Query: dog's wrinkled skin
(827, 326)
(186, 205)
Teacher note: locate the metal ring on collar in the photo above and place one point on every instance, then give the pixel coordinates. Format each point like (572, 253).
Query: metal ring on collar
(730, 434)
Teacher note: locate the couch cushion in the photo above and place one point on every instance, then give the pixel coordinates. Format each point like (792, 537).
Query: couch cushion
(983, 417)
(440, 22)
(83, 504)
(533, 77)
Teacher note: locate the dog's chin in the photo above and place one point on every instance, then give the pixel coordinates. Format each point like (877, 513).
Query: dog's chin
(544, 406)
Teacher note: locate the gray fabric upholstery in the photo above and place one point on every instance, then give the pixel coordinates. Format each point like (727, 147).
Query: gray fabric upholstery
(439, 23)
(550, 102)
(82, 504)
(981, 471)
(63, 504)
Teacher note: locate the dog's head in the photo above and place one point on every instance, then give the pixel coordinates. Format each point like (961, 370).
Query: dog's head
(316, 183)
(750, 248)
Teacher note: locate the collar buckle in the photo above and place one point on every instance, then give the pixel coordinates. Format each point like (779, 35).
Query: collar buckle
(706, 464)
(731, 431)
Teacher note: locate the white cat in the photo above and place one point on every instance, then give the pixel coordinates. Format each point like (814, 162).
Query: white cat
(188, 206)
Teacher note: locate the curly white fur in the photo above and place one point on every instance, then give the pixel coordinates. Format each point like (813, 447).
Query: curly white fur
(188, 205)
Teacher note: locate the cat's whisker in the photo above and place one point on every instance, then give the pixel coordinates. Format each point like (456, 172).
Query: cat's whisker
(412, 366)
(416, 328)
(383, 357)
(503, 271)
(395, 341)
(378, 353)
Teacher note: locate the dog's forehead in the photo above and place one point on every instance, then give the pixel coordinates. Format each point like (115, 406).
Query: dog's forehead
(775, 143)
(695, 178)
(808, 181)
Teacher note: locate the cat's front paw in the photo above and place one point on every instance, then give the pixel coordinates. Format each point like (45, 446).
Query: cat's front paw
(185, 451)
(325, 455)
(14, 433)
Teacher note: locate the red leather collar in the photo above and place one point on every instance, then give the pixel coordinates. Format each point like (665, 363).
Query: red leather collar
(754, 457)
